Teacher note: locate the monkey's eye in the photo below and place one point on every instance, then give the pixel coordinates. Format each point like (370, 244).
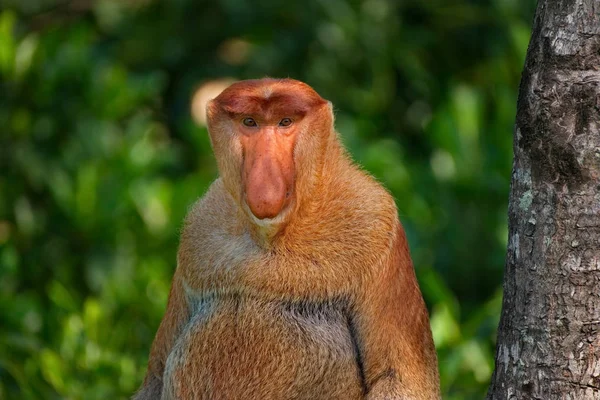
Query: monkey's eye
(249, 122)
(285, 122)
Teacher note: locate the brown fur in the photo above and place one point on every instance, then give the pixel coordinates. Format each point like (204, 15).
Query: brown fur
(320, 302)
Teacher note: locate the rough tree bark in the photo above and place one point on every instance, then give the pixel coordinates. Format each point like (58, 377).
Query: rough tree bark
(549, 335)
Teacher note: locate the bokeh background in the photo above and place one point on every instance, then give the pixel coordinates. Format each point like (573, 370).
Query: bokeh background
(103, 149)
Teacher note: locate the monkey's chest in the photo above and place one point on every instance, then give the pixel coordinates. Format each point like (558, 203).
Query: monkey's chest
(241, 348)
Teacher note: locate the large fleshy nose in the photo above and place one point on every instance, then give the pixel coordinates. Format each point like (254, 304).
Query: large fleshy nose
(265, 189)
(268, 175)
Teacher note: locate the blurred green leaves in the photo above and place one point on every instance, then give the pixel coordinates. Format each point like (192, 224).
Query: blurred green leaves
(7, 42)
(100, 160)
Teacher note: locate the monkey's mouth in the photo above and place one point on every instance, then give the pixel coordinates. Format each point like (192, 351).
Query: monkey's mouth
(267, 221)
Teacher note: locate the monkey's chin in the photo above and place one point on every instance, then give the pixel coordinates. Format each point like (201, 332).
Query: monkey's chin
(269, 226)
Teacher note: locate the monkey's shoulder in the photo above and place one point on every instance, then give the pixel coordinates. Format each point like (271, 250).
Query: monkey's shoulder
(212, 236)
(360, 207)
(212, 214)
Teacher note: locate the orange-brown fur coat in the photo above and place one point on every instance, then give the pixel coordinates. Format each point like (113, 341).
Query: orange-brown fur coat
(325, 306)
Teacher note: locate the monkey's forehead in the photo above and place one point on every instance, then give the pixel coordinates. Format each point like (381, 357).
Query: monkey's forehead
(269, 96)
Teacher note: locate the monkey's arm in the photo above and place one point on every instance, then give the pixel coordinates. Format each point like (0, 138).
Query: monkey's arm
(393, 333)
(175, 317)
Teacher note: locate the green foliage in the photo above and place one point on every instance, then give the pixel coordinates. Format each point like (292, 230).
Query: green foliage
(100, 159)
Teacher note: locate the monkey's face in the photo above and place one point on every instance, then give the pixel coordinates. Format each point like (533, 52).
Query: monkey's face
(256, 129)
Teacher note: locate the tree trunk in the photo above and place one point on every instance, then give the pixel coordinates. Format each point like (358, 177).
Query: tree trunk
(549, 335)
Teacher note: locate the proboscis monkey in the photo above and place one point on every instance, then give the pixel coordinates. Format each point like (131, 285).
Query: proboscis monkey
(294, 279)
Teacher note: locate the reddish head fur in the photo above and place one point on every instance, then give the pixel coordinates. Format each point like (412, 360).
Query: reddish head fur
(269, 98)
